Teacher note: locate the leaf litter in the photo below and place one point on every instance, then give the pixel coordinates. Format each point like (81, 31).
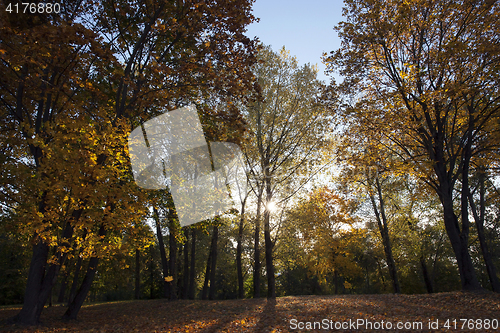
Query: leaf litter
(285, 314)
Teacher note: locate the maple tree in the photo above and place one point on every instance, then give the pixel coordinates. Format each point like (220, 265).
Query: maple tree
(424, 74)
(91, 74)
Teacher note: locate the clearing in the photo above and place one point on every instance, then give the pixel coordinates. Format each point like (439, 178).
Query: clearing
(444, 312)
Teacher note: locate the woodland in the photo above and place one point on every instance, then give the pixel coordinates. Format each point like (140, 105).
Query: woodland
(386, 182)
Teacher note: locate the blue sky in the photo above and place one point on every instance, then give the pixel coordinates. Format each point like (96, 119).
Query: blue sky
(304, 28)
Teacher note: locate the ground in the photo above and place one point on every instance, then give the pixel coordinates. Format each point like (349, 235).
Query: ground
(445, 312)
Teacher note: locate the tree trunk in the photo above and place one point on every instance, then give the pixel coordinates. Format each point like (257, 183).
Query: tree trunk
(425, 273)
(29, 312)
(459, 243)
(271, 283)
(137, 274)
(384, 233)
(239, 268)
(204, 292)
(163, 256)
(172, 256)
(151, 274)
(74, 285)
(41, 280)
(213, 263)
(479, 219)
(257, 264)
(64, 284)
(336, 282)
(185, 274)
(459, 239)
(75, 306)
(192, 274)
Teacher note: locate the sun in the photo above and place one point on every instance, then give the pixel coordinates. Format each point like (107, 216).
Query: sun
(271, 206)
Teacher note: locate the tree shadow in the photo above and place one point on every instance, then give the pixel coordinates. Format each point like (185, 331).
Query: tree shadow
(268, 317)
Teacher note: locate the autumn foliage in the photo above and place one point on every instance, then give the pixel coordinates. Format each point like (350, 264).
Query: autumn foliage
(384, 183)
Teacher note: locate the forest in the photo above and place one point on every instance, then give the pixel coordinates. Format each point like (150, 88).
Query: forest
(386, 182)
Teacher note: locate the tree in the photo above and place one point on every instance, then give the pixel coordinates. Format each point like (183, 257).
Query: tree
(428, 71)
(287, 125)
(94, 71)
(324, 226)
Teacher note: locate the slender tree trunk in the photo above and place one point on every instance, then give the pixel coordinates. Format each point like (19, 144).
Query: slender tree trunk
(151, 275)
(257, 264)
(381, 273)
(336, 281)
(425, 273)
(76, 276)
(479, 219)
(64, 284)
(75, 306)
(172, 256)
(137, 274)
(163, 256)
(204, 292)
(271, 283)
(185, 274)
(239, 268)
(192, 274)
(384, 233)
(213, 263)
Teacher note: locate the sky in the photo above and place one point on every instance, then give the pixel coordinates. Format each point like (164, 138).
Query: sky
(304, 28)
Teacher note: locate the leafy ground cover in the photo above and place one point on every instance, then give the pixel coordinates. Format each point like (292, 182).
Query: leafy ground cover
(345, 313)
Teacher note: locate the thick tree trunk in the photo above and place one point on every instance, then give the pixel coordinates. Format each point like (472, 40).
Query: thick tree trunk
(213, 263)
(257, 264)
(192, 274)
(459, 243)
(137, 274)
(271, 282)
(75, 306)
(41, 279)
(49, 281)
(29, 314)
(479, 219)
(163, 256)
(239, 268)
(459, 239)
